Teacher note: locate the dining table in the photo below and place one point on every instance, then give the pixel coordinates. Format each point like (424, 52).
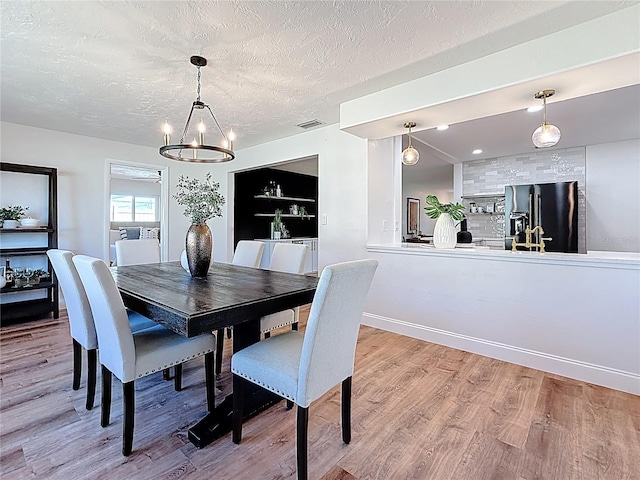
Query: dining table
(228, 296)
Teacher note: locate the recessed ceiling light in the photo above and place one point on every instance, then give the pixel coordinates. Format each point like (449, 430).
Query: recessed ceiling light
(535, 108)
(477, 151)
(442, 127)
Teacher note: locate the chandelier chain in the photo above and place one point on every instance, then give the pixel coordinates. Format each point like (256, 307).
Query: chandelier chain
(198, 99)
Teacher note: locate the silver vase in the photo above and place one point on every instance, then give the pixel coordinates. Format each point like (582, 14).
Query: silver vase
(198, 245)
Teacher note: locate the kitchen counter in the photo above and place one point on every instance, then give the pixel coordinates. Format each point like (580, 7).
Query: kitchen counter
(593, 258)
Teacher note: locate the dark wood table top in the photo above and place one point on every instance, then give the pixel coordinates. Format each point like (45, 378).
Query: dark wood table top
(228, 295)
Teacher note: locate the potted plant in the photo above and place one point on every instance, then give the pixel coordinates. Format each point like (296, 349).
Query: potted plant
(11, 215)
(277, 224)
(202, 201)
(444, 233)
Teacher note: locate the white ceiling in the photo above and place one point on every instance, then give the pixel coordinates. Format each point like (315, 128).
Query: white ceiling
(118, 70)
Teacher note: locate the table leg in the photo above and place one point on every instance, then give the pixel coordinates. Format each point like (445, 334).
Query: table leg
(219, 422)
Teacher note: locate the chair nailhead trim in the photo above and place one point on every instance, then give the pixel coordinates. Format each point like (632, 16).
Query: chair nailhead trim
(277, 326)
(262, 384)
(178, 362)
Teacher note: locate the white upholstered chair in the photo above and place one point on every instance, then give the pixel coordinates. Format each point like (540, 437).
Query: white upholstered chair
(248, 253)
(83, 332)
(136, 252)
(302, 368)
(288, 258)
(130, 356)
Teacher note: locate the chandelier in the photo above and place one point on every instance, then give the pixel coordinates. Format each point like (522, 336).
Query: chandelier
(198, 151)
(410, 155)
(546, 135)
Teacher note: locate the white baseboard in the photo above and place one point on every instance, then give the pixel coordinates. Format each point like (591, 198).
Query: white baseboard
(597, 374)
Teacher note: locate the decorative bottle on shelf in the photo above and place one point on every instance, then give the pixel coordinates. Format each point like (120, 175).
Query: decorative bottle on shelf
(278, 191)
(8, 274)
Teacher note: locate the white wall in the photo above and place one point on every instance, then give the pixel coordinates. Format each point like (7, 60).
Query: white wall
(342, 189)
(427, 224)
(82, 182)
(613, 196)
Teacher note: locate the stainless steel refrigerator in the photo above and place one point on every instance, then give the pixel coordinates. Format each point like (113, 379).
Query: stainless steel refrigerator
(552, 206)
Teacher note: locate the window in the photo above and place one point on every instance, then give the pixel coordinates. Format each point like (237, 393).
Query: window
(128, 208)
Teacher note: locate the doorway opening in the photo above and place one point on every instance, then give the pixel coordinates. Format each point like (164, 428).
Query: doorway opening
(137, 198)
(277, 203)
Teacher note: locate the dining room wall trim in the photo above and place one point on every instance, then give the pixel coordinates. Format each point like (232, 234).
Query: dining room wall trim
(597, 374)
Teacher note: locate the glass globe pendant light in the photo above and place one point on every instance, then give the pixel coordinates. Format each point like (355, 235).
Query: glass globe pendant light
(546, 135)
(410, 155)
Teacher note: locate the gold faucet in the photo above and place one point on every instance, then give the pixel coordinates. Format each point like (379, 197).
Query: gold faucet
(527, 244)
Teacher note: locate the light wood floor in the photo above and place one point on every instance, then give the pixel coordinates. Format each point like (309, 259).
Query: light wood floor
(420, 411)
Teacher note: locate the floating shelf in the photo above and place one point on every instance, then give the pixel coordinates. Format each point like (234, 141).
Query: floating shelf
(37, 286)
(26, 230)
(20, 252)
(283, 215)
(484, 213)
(294, 199)
(483, 195)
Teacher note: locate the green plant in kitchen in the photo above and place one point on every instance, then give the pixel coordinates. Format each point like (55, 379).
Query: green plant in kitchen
(303, 212)
(434, 208)
(201, 199)
(15, 212)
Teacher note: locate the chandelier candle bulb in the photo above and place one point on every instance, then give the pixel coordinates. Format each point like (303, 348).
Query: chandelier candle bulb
(201, 130)
(167, 133)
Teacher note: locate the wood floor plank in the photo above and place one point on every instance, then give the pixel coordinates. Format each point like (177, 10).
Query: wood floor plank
(419, 411)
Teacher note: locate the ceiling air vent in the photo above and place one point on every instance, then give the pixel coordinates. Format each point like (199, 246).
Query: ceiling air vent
(310, 124)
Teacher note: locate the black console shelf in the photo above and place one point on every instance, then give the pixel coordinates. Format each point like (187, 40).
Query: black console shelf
(14, 309)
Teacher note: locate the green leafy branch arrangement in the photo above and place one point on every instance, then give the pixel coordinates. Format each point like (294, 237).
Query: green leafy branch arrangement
(201, 200)
(15, 212)
(434, 208)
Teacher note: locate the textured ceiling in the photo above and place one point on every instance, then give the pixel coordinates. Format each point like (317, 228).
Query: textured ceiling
(117, 70)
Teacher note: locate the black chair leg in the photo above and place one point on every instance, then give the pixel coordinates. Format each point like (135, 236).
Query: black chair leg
(294, 326)
(267, 334)
(219, 348)
(289, 404)
(210, 381)
(166, 374)
(228, 333)
(77, 364)
(238, 393)
(301, 434)
(177, 378)
(106, 396)
(346, 410)
(92, 365)
(129, 400)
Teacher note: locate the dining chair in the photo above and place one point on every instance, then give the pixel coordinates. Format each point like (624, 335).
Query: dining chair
(288, 258)
(130, 356)
(303, 367)
(137, 252)
(81, 326)
(248, 253)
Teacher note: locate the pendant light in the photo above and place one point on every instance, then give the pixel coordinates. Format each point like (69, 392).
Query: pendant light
(198, 151)
(410, 155)
(546, 135)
